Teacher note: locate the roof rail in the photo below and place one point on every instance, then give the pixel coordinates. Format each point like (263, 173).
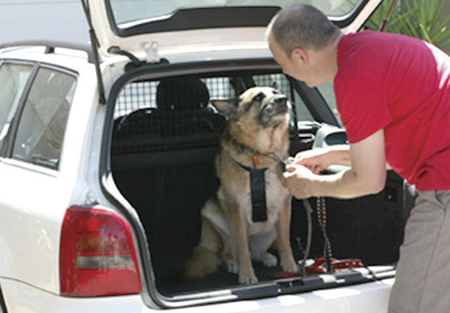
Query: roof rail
(51, 45)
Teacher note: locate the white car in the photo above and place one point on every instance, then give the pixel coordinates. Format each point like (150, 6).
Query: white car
(104, 167)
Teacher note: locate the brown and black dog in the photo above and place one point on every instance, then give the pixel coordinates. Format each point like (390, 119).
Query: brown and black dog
(252, 208)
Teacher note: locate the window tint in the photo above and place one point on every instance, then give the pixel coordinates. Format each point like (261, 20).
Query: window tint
(43, 122)
(13, 78)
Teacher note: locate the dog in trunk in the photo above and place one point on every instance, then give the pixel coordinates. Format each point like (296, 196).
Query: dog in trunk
(251, 210)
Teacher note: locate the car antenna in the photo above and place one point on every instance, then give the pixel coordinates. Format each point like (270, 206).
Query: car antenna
(386, 19)
(94, 44)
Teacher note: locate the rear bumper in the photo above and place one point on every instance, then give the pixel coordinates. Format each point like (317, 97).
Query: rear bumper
(369, 298)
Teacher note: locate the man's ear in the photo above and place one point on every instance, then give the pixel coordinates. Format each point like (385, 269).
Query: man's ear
(225, 106)
(300, 55)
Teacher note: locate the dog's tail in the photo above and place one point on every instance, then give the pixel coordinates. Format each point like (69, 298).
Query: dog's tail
(205, 259)
(203, 262)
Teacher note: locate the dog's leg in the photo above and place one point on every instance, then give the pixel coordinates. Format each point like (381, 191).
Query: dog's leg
(284, 246)
(229, 254)
(239, 229)
(231, 262)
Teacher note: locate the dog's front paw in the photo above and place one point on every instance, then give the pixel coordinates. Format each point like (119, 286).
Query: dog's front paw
(247, 279)
(269, 259)
(290, 266)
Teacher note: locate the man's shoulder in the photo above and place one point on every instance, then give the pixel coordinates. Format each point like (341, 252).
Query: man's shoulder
(370, 52)
(378, 43)
(370, 41)
(358, 52)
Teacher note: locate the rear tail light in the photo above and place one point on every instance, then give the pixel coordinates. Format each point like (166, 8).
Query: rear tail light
(97, 254)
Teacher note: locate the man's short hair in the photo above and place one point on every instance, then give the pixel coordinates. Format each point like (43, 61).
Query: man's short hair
(301, 26)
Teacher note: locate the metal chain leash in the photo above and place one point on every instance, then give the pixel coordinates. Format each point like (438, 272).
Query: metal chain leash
(322, 218)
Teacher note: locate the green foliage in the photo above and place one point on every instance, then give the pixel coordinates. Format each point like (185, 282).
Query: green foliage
(423, 19)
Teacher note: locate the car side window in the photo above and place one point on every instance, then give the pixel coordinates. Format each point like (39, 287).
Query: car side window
(13, 78)
(327, 92)
(43, 121)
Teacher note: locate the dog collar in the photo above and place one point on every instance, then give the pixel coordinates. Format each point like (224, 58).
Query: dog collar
(258, 193)
(241, 148)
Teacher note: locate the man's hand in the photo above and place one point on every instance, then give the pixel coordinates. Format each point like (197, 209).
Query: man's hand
(298, 179)
(366, 174)
(315, 160)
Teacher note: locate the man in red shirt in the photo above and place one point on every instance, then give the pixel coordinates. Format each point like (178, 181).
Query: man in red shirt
(393, 94)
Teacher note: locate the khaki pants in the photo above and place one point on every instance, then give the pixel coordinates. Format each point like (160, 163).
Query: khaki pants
(422, 282)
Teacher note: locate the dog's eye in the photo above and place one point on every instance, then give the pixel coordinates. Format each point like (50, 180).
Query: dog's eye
(259, 97)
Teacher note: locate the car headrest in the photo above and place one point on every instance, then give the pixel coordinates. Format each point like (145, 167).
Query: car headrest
(182, 94)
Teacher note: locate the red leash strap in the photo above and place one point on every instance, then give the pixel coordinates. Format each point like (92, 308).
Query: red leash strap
(319, 267)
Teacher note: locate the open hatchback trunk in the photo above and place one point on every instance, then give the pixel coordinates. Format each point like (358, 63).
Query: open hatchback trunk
(162, 162)
(161, 140)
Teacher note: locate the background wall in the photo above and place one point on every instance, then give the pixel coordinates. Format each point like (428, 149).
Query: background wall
(42, 19)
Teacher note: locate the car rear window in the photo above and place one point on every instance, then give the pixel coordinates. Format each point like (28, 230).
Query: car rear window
(139, 11)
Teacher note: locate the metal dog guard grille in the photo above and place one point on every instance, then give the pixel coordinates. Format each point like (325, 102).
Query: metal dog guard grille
(162, 160)
(142, 127)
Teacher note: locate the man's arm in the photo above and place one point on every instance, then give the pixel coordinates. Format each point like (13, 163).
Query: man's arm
(319, 159)
(367, 174)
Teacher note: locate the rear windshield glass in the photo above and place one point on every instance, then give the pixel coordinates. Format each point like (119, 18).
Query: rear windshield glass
(127, 11)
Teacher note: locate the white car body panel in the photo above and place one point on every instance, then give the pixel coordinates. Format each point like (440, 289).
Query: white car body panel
(32, 228)
(38, 197)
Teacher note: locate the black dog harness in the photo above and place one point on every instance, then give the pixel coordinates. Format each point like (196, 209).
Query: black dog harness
(258, 193)
(257, 179)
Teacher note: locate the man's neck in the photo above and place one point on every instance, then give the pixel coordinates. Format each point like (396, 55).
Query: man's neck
(333, 57)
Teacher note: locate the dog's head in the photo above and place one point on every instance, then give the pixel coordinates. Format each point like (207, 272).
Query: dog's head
(265, 105)
(257, 116)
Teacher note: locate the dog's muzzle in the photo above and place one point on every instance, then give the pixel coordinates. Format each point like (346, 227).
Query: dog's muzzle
(274, 111)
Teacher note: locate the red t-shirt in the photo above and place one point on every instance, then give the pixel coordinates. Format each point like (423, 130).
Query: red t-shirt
(402, 85)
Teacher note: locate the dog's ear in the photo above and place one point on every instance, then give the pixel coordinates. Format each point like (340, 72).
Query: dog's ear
(225, 106)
